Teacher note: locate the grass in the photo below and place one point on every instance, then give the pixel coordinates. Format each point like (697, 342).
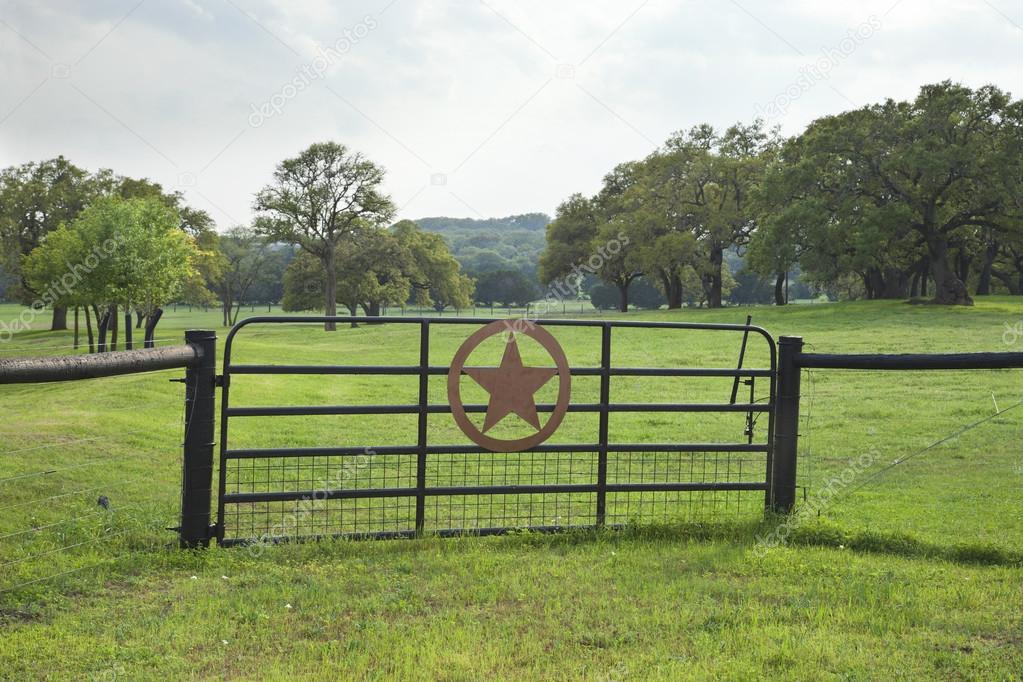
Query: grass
(914, 572)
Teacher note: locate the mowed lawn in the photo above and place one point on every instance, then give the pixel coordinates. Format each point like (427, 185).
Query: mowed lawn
(913, 569)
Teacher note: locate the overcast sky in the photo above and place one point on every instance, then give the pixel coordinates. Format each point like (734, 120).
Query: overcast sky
(475, 107)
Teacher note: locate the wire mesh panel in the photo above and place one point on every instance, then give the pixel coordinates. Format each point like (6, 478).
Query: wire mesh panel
(391, 470)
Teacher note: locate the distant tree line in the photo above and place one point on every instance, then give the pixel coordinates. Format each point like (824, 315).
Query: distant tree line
(894, 200)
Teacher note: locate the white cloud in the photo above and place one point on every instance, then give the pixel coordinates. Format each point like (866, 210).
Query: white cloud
(478, 91)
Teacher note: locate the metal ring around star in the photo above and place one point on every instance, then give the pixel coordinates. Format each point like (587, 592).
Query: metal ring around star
(550, 344)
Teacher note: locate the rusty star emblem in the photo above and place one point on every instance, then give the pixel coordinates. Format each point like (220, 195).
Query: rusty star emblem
(512, 386)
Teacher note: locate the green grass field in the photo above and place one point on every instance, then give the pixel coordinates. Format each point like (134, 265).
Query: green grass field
(909, 571)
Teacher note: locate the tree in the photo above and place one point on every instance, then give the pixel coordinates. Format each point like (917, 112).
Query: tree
(433, 272)
(603, 297)
(373, 271)
(900, 186)
(50, 269)
(589, 237)
(269, 285)
(245, 255)
(382, 266)
(645, 295)
(303, 284)
(35, 199)
(151, 263)
(318, 200)
(117, 253)
(700, 186)
(509, 287)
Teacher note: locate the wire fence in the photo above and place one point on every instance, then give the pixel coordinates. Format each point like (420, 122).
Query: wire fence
(936, 459)
(81, 494)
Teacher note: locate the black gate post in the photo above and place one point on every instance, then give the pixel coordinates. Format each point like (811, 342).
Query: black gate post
(782, 477)
(197, 469)
(605, 400)
(424, 424)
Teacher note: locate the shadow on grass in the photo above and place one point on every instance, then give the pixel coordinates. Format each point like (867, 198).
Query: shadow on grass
(742, 534)
(903, 544)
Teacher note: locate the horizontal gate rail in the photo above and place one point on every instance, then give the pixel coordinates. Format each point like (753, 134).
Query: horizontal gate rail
(362, 493)
(603, 481)
(267, 453)
(320, 410)
(413, 370)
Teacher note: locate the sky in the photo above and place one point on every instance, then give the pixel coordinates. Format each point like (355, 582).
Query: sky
(475, 108)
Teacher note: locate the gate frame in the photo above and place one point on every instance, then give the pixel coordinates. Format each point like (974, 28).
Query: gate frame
(423, 409)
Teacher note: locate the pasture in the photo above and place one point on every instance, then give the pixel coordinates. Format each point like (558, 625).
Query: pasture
(913, 568)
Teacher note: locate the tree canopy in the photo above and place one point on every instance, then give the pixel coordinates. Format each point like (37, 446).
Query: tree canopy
(319, 200)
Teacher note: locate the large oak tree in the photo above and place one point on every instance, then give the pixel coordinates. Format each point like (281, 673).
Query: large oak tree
(318, 200)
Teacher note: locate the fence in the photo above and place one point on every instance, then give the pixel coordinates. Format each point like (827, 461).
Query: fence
(792, 360)
(198, 357)
(777, 469)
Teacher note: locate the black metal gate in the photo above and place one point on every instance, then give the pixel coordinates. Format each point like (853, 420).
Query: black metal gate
(365, 489)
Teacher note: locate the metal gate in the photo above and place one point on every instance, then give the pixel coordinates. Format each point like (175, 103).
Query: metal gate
(422, 484)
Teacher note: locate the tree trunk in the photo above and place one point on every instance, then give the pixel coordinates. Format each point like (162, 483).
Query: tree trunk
(895, 284)
(330, 295)
(712, 280)
(127, 329)
(140, 317)
(779, 288)
(623, 298)
(113, 327)
(374, 311)
(963, 262)
(984, 282)
(226, 303)
(151, 321)
(914, 285)
(76, 328)
(672, 290)
(104, 326)
(868, 285)
(59, 321)
(925, 274)
(88, 329)
(948, 289)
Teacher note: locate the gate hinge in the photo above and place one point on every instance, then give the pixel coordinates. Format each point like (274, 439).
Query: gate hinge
(221, 381)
